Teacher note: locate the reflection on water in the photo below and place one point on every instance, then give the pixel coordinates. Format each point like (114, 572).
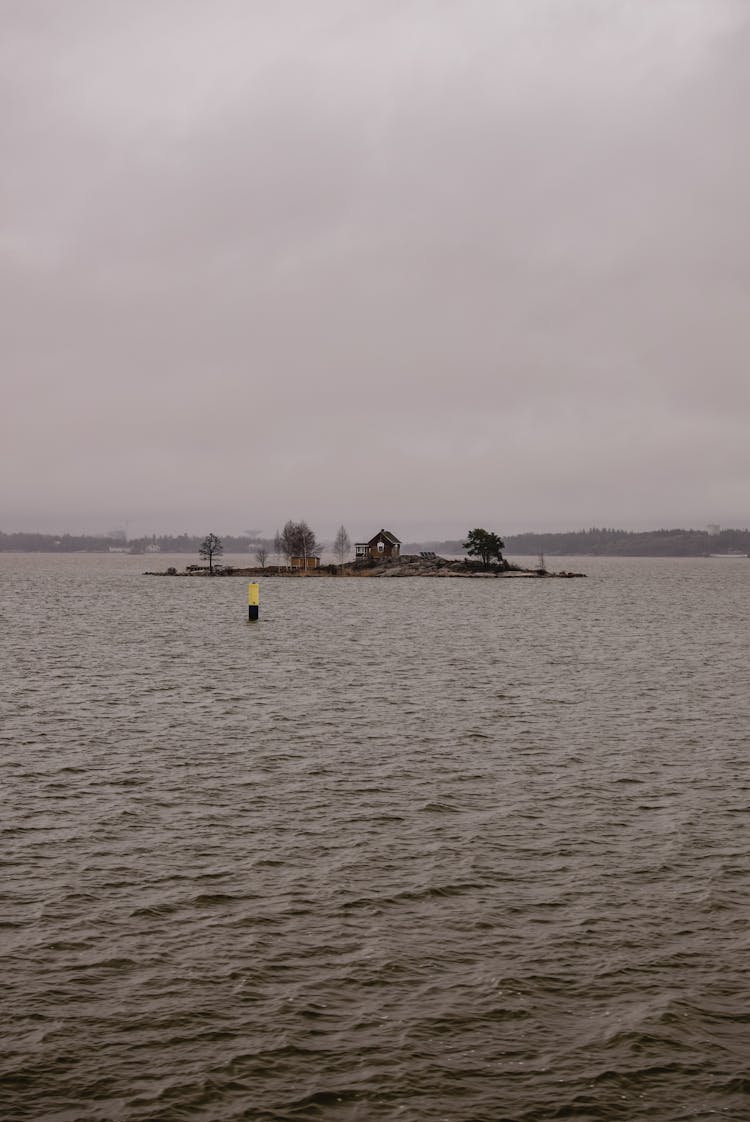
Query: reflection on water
(403, 849)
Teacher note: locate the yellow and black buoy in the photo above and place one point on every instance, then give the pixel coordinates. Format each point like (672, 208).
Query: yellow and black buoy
(253, 599)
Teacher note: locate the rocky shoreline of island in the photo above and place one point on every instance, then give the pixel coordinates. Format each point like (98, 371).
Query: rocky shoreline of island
(408, 565)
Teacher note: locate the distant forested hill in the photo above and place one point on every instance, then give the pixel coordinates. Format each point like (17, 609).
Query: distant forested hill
(88, 543)
(610, 543)
(596, 542)
(624, 543)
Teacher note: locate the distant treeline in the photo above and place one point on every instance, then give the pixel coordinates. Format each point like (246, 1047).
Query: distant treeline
(610, 543)
(625, 543)
(596, 542)
(85, 543)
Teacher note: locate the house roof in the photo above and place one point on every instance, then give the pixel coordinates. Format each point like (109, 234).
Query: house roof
(387, 535)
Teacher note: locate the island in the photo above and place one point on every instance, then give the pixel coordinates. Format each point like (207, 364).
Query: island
(380, 556)
(425, 564)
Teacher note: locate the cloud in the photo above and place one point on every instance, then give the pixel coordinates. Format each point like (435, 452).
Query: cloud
(421, 258)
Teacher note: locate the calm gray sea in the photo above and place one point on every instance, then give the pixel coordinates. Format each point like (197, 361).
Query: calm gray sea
(404, 849)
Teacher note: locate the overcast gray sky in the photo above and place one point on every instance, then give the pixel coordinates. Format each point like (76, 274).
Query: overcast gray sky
(422, 264)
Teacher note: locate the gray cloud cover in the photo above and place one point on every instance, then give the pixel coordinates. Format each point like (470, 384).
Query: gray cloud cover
(418, 263)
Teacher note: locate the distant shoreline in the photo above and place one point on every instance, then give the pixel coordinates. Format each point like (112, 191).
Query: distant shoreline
(594, 542)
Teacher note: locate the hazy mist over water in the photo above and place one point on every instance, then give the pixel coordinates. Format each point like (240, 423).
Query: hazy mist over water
(405, 849)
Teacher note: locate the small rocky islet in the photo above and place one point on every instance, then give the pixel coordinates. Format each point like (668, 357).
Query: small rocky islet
(408, 565)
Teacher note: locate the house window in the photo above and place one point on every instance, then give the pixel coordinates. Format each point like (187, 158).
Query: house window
(381, 547)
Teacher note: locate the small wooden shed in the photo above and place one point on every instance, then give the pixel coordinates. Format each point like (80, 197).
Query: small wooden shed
(309, 562)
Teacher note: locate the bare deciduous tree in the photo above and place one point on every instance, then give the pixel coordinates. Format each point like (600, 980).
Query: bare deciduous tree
(297, 540)
(209, 548)
(278, 546)
(286, 541)
(342, 544)
(261, 556)
(307, 540)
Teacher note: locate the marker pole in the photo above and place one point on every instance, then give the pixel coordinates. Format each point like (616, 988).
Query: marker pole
(253, 599)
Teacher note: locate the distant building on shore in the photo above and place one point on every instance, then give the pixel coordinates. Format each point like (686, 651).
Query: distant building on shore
(310, 562)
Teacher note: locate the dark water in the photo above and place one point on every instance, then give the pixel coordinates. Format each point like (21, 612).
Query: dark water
(402, 850)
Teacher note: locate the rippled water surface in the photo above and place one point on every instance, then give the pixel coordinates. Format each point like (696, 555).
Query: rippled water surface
(403, 849)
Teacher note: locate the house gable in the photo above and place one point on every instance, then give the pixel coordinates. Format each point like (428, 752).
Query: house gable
(383, 544)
